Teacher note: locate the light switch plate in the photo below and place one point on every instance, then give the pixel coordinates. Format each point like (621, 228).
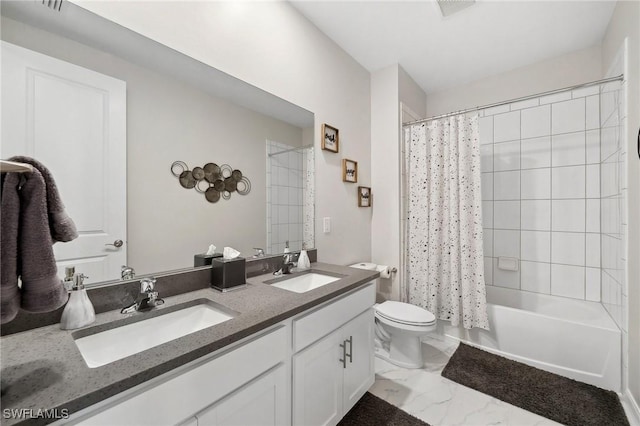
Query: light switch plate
(326, 225)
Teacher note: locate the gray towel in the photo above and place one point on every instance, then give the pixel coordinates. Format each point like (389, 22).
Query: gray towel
(26, 248)
(62, 227)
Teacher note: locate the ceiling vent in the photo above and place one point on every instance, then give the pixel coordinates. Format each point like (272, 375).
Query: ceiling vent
(449, 7)
(53, 4)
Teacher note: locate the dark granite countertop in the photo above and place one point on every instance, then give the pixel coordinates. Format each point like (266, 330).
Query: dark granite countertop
(43, 369)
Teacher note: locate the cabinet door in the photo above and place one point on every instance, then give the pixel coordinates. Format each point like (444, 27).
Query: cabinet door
(317, 382)
(261, 402)
(359, 374)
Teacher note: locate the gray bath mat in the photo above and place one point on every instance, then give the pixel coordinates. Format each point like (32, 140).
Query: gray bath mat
(550, 395)
(373, 411)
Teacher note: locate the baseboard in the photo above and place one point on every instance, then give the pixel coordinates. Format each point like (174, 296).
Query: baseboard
(631, 408)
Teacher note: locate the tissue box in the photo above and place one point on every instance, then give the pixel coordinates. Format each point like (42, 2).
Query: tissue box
(204, 259)
(228, 274)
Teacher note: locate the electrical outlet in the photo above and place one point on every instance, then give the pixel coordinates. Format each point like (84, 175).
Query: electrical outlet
(326, 225)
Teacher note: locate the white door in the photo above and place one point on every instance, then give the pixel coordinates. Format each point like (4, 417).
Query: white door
(317, 382)
(359, 374)
(73, 120)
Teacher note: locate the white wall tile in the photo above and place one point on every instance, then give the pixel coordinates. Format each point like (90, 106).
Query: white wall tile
(487, 242)
(496, 110)
(506, 214)
(536, 152)
(524, 104)
(535, 277)
(568, 215)
(535, 215)
(485, 128)
(501, 278)
(568, 248)
(568, 116)
(283, 214)
(506, 156)
(487, 214)
(593, 181)
(506, 127)
(585, 91)
(593, 216)
(568, 182)
(486, 158)
(535, 246)
(536, 122)
(506, 185)
(593, 146)
(593, 112)
(593, 250)
(567, 281)
(592, 284)
(536, 183)
(557, 97)
(568, 149)
(608, 176)
(486, 185)
(609, 142)
(506, 243)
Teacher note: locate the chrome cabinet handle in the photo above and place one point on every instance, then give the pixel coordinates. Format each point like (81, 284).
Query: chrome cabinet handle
(116, 243)
(350, 354)
(343, 345)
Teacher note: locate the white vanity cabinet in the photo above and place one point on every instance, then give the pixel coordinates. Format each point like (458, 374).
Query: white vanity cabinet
(250, 377)
(307, 370)
(332, 374)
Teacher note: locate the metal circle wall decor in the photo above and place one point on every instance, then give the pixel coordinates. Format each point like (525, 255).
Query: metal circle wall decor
(213, 181)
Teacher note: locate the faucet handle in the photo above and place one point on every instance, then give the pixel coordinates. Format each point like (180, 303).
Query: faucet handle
(147, 284)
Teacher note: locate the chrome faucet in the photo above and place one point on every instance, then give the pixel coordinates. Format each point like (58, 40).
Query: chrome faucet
(147, 299)
(127, 273)
(287, 264)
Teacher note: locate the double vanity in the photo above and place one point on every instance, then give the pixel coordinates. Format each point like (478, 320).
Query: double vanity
(297, 349)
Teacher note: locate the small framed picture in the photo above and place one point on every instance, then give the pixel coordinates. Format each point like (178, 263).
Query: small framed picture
(349, 171)
(330, 138)
(364, 196)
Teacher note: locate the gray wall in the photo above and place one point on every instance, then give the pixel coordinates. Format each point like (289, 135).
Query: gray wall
(168, 120)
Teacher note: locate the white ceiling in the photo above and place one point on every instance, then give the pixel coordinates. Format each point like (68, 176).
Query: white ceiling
(487, 38)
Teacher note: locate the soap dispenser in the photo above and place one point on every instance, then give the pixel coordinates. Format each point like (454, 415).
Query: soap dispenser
(303, 260)
(79, 311)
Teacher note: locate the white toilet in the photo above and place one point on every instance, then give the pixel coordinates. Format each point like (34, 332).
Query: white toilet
(399, 329)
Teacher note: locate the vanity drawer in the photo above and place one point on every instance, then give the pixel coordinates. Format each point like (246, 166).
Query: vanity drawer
(323, 320)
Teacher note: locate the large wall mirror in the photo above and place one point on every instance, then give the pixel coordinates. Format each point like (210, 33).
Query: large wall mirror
(108, 111)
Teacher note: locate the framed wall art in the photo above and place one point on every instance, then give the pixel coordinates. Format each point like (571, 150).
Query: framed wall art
(349, 171)
(364, 196)
(330, 138)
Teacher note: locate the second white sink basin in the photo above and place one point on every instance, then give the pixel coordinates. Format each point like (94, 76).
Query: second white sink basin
(120, 342)
(305, 282)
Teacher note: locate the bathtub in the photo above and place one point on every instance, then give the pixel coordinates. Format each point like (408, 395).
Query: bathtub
(573, 338)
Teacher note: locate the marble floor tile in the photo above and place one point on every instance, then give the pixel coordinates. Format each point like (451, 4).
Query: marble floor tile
(425, 394)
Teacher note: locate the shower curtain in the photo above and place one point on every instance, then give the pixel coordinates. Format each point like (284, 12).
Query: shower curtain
(444, 259)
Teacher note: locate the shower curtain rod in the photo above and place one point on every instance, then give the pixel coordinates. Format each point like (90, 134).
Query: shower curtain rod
(523, 98)
(292, 149)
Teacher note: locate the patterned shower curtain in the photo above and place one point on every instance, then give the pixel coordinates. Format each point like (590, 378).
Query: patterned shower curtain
(444, 259)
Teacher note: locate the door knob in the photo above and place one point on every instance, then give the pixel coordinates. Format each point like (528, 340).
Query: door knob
(116, 243)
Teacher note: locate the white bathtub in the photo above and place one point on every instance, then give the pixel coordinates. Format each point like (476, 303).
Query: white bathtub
(573, 338)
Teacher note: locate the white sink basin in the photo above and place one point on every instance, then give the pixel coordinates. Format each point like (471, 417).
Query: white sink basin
(305, 282)
(120, 342)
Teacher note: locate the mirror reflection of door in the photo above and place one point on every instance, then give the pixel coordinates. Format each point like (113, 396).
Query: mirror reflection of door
(73, 120)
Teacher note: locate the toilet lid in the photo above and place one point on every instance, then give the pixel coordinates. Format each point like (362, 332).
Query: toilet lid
(405, 313)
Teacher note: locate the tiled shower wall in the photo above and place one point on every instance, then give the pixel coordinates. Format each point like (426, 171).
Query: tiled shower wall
(541, 193)
(285, 197)
(613, 114)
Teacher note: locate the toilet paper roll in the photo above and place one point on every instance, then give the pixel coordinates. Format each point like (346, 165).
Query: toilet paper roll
(384, 271)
